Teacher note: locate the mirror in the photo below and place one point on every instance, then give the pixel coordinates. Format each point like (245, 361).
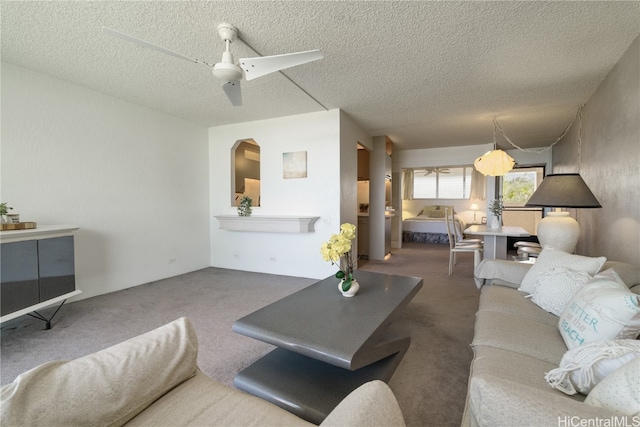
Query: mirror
(245, 171)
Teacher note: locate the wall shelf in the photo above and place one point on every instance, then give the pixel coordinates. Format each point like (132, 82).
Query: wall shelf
(270, 224)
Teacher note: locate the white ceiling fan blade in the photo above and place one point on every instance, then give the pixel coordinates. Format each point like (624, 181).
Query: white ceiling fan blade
(146, 44)
(233, 92)
(262, 65)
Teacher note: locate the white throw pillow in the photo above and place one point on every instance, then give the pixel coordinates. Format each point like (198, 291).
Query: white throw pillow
(552, 258)
(603, 309)
(585, 366)
(554, 288)
(620, 391)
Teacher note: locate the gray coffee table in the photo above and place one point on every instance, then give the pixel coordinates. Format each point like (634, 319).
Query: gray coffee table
(328, 345)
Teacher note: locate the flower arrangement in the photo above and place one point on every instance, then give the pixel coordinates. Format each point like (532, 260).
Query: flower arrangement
(338, 251)
(497, 206)
(244, 209)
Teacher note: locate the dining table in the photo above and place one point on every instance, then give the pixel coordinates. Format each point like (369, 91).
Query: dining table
(495, 239)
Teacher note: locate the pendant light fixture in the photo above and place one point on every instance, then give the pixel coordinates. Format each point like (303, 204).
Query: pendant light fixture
(495, 162)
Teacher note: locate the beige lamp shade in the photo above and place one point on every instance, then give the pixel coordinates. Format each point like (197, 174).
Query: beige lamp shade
(494, 163)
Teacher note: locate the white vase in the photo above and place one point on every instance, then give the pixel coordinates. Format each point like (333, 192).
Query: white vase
(495, 223)
(352, 290)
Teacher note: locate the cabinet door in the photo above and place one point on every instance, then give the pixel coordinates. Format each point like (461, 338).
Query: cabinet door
(57, 270)
(18, 276)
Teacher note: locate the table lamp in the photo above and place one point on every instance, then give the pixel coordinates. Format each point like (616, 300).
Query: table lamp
(557, 229)
(474, 208)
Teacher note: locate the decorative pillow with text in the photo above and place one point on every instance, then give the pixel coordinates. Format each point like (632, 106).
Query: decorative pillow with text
(604, 309)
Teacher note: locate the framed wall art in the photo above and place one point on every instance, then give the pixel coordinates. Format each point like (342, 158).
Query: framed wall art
(294, 165)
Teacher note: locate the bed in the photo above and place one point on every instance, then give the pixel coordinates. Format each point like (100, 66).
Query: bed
(429, 226)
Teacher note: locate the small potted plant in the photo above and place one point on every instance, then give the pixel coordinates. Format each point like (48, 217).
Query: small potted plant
(496, 207)
(244, 209)
(4, 209)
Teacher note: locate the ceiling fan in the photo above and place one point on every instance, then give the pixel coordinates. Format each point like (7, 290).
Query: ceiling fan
(228, 71)
(429, 171)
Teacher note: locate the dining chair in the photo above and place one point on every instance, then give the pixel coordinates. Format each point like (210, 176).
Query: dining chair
(532, 249)
(458, 244)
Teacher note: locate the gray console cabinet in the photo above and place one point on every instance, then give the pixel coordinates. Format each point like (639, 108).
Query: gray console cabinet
(37, 269)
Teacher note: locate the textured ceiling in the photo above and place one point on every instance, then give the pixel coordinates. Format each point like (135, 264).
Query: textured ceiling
(425, 73)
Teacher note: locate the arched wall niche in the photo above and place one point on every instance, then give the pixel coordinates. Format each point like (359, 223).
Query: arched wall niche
(245, 171)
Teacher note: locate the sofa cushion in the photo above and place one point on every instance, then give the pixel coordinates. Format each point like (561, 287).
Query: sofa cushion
(517, 367)
(202, 401)
(511, 301)
(583, 367)
(106, 388)
(495, 401)
(551, 258)
(554, 288)
(604, 309)
(520, 335)
(619, 391)
(500, 272)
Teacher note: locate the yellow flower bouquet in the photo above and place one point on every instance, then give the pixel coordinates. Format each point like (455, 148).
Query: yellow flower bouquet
(338, 251)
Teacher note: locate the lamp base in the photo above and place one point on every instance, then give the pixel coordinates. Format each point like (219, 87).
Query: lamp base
(559, 231)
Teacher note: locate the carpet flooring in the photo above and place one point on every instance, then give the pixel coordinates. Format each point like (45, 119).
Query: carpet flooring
(430, 383)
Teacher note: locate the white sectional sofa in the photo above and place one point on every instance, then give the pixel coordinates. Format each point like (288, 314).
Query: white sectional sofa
(516, 343)
(153, 380)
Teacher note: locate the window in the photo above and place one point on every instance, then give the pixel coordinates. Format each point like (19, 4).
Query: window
(442, 183)
(519, 184)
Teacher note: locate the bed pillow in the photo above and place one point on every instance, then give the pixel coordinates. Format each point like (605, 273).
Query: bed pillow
(435, 211)
(619, 391)
(604, 309)
(585, 366)
(554, 288)
(551, 258)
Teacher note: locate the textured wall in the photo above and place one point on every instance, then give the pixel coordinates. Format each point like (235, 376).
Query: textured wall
(134, 180)
(609, 162)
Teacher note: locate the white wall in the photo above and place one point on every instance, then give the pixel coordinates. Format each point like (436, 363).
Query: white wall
(317, 195)
(134, 180)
